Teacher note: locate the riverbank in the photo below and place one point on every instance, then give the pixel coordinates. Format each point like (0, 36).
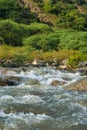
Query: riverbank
(81, 67)
(22, 56)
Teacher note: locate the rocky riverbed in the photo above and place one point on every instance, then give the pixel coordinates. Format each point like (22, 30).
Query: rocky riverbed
(42, 98)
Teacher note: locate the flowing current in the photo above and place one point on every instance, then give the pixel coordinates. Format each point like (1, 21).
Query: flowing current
(35, 104)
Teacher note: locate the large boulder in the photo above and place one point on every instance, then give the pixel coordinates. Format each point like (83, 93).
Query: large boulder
(80, 85)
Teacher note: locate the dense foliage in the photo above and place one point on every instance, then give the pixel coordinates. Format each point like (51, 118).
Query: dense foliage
(13, 33)
(10, 9)
(70, 13)
(19, 26)
(43, 42)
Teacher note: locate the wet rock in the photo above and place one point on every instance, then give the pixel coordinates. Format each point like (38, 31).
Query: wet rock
(38, 63)
(10, 81)
(62, 67)
(32, 82)
(83, 103)
(67, 78)
(83, 64)
(80, 85)
(57, 83)
(7, 72)
(6, 63)
(82, 70)
(3, 82)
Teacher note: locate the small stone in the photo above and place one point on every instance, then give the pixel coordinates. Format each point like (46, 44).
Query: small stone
(32, 82)
(57, 83)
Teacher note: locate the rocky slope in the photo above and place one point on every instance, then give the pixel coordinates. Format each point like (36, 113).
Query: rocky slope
(60, 13)
(35, 8)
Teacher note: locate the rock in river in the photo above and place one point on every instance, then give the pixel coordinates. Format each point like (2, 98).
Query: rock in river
(10, 81)
(57, 83)
(80, 85)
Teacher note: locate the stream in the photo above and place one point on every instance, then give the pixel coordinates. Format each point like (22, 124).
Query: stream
(35, 104)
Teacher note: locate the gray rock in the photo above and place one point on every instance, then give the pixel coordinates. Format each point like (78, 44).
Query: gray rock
(82, 70)
(32, 82)
(82, 64)
(80, 85)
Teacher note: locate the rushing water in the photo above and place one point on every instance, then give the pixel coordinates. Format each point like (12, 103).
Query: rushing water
(37, 105)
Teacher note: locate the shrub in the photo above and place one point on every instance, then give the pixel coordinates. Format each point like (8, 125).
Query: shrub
(45, 42)
(11, 32)
(74, 60)
(73, 20)
(47, 7)
(70, 39)
(39, 28)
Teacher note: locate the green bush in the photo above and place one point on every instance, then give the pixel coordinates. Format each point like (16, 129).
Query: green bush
(39, 28)
(70, 39)
(11, 32)
(83, 49)
(45, 42)
(58, 8)
(74, 60)
(62, 39)
(47, 7)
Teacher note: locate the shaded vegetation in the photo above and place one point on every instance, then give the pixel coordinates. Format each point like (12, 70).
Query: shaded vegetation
(10, 9)
(13, 33)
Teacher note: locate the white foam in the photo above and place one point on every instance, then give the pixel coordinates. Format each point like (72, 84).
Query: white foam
(7, 72)
(6, 98)
(25, 116)
(23, 86)
(29, 118)
(30, 99)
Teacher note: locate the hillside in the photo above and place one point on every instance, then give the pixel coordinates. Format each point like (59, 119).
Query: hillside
(59, 13)
(43, 26)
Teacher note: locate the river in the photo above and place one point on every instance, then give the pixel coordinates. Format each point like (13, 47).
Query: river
(37, 105)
